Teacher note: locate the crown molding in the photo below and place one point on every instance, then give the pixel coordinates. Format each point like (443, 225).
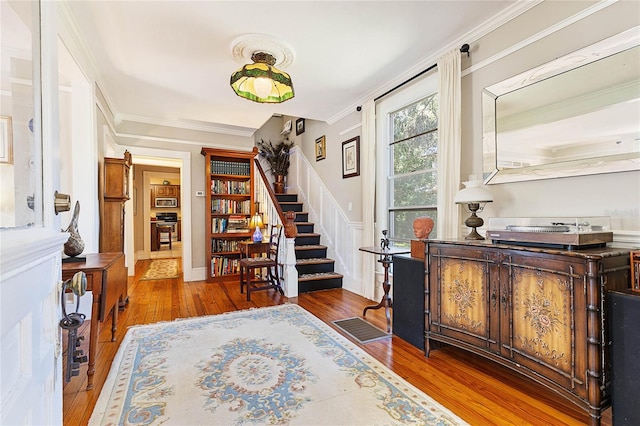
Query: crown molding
(517, 9)
(203, 127)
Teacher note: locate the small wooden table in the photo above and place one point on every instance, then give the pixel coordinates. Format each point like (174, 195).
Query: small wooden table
(386, 258)
(107, 281)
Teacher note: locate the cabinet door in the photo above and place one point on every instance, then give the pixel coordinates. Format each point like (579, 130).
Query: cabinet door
(543, 308)
(464, 306)
(167, 191)
(116, 178)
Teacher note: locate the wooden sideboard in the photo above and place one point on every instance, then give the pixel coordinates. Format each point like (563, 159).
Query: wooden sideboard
(107, 281)
(540, 312)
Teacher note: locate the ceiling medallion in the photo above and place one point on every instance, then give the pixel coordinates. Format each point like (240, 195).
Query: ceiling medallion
(243, 47)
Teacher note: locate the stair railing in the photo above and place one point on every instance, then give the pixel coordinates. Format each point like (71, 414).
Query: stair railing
(272, 214)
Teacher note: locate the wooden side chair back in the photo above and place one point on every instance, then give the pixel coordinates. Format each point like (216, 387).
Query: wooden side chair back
(262, 273)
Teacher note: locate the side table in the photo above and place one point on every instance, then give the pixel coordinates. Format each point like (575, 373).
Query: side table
(386, 258)
(107, 281)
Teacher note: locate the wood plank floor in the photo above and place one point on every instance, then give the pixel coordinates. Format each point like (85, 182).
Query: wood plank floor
(479, 391)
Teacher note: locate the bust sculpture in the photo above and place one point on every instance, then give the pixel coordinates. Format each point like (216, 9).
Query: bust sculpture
(422, 227)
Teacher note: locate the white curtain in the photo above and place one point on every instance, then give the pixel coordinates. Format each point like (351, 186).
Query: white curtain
(449, 141)
(368, 173)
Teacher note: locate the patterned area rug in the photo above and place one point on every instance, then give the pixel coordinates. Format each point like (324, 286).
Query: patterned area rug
(160, 269)
(276, 365)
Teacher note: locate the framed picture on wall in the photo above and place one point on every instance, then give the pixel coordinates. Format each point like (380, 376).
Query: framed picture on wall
(299, 126)
(321, 148)
(351, 157)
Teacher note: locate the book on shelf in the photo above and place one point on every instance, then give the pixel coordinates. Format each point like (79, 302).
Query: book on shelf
(237, 224)
(230, 168)
(230, 187)
(224, 206)
(224, 266)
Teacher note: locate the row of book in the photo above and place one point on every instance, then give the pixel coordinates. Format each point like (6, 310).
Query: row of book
(232, 224)
(230, 206)
(225, 246)
(230, 187)
(220, 167)
(224, 266)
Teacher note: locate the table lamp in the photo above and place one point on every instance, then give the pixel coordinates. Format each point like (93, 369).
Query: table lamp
(474, 196)
(256, 224)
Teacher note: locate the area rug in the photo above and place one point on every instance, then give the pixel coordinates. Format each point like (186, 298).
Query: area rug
(276, 365)
(160, 269)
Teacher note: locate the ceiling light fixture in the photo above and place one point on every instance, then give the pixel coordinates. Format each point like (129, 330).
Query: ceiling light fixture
(262, 82)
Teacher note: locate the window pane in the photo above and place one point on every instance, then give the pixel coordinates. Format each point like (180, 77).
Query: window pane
(20, 143)
(419, 153)
(414, 190)
(417, 118)
(402, 222)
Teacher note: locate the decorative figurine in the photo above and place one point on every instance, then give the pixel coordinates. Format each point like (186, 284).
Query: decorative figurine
(74, 245)
(384, 242)
(422, 227)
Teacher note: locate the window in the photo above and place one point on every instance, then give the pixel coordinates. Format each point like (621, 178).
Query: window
(412, 177)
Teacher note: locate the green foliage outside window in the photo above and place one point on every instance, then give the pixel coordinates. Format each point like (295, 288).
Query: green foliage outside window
(413, 167)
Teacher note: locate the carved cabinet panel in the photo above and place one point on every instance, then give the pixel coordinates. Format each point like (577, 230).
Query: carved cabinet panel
(538, 311)
(539, 300)
(462, 304)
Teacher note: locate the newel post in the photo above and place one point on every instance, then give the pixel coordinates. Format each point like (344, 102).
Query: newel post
(290, 273)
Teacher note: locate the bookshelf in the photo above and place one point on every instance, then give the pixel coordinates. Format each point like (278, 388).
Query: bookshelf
(229, 206)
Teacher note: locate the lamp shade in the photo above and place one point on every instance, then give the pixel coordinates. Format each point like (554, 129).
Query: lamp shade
(474, 192)
(262, 82)
(256, 221)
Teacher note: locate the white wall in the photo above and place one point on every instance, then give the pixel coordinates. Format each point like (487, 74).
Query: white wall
(617, 194)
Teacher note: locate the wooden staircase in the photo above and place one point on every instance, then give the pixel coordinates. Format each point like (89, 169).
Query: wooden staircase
(315, 270)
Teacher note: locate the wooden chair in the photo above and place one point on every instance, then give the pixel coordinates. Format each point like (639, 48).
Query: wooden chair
(163, 229)
(261, 273)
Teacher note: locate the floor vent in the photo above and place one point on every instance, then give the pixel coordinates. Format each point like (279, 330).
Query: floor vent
(361, 330)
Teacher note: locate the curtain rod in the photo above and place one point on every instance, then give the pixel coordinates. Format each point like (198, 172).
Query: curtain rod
(463, 49)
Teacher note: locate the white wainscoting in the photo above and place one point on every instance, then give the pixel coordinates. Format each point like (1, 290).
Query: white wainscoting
(341, 236)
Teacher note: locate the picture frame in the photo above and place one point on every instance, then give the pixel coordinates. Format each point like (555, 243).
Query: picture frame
(321, 148)
(351, 157)
(6, 140)
(299, 126)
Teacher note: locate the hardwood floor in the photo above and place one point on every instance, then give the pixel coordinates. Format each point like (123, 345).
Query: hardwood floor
(477, 390)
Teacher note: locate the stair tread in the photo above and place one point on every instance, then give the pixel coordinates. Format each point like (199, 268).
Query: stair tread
(308, 234)
(319, 276)
(314, 260)
(310, 247)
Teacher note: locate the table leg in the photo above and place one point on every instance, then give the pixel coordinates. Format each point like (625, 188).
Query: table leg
(386, 299)
(93, 340)
(114, 323)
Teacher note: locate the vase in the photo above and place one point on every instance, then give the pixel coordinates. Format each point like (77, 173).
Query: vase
(278, 185)
(74, 245)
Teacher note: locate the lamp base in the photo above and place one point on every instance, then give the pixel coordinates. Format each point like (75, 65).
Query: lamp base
(474, 222)
(473, 235)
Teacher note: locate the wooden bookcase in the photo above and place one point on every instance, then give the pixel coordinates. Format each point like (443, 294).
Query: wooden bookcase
(229, 180)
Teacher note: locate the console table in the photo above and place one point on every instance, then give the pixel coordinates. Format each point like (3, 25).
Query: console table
(539, 311)
(107, 281)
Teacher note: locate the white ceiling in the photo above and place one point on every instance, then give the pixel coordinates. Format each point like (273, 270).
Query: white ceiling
(170, 61)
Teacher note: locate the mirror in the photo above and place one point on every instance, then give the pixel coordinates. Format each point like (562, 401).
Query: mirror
(577, 115)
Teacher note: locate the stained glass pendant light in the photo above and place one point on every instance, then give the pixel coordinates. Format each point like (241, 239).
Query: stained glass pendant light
(261, 81)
